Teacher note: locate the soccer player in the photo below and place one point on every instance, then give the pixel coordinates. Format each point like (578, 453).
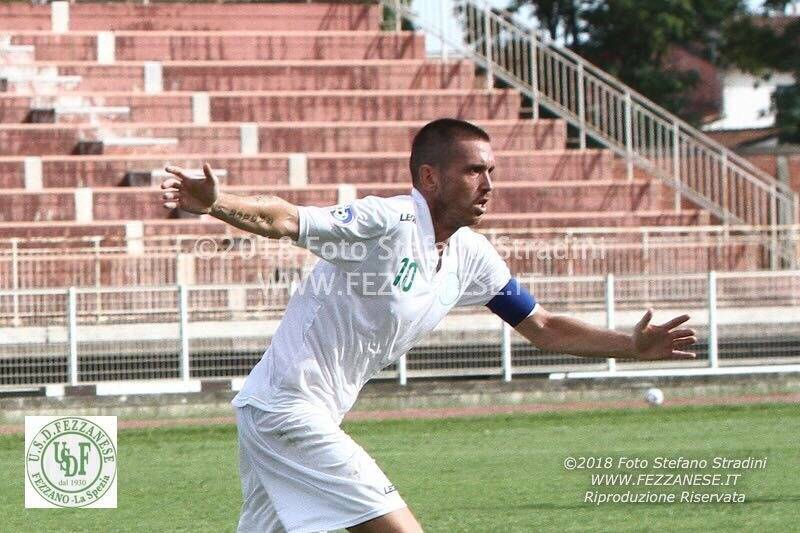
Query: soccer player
(391, 269)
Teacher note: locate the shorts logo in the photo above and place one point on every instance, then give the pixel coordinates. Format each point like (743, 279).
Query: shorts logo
(343, 214)
(389, 488)
(71, 461)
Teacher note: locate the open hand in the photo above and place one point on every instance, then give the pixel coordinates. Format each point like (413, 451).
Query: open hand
(196, 195)
(662, 342)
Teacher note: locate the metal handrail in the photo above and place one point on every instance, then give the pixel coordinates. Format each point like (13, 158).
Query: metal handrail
(601, 106)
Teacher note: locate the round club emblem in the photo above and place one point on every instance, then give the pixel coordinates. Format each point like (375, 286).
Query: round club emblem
(343, 214)
(72, 462)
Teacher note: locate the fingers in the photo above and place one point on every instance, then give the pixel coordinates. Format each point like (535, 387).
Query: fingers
(677, 354)
(645, 319)
(684, 342)
(675, 322)
(680, 333)
(210, 176)
(176, 171)
(171, 198)
(171, 183)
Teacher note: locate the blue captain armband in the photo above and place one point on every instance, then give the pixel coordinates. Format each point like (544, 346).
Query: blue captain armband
(513, 303)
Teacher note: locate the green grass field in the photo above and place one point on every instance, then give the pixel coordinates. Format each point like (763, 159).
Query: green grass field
(500, 473)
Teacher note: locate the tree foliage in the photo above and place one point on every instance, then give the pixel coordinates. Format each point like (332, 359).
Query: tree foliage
(632, 39)
(761, 47)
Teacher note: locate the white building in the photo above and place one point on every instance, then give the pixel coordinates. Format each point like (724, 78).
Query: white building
(747, 101)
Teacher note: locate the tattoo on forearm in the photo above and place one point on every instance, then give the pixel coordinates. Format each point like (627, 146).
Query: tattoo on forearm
(244, 216)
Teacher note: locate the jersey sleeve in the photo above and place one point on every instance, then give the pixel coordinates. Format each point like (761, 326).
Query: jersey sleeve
(344, 233)
(487, 273)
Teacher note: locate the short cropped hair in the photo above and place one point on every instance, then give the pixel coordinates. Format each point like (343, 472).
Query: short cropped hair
(434, 142)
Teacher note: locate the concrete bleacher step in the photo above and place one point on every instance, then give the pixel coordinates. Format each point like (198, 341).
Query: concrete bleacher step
(154, 177)
(285, 169)
(234, 45)
(364, 105)
(193, 16)
(292, 137)
(112, 145)
(318, 75)
(130, 203)
(687, 217)
(291, 106)
(15, 54)
(35, 78)
(562, 196)
(59, 108)
(91, 114)
(540, 165)
(44, 84)
(267, 75)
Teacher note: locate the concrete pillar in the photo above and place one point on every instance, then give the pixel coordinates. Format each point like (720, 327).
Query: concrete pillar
(346, 193)
(59, 17)
(33, 173)
(248, 139)
(237, 302)
(185, 269)
(134, 237)
(84, 205)
(298, 170)
(201, 108)
(153, 77)
(106, 47)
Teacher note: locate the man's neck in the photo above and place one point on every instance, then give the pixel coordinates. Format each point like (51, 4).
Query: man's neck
(441, 230)
(441, 233)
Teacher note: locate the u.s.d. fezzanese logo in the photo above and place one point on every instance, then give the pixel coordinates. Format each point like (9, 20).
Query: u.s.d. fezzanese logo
(71, 461)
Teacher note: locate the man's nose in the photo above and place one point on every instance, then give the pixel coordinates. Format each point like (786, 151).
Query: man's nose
(486, 182)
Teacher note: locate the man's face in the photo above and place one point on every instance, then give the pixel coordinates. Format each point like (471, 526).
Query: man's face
(465, 183)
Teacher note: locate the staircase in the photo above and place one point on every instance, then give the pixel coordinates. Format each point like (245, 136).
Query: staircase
(647, 137)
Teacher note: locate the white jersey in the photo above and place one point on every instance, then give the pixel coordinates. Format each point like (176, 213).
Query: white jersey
(374, 294)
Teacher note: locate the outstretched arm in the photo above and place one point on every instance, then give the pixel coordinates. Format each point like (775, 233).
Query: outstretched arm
(568, 335)
(268, 216)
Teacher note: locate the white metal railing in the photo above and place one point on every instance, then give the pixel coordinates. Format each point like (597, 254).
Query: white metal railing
(255, 246)
(602, 107)
(746, 322)
(159, 260)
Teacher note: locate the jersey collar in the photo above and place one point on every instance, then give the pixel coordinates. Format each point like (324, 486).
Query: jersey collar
(427, 236)
(423, 217)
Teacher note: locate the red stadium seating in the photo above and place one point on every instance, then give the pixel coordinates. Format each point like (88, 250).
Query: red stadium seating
(224, 137)
(263, 169)
(272, 75)
(196, 17)
(134, 203)
(229, 45)
(307, 106)
(249, 88)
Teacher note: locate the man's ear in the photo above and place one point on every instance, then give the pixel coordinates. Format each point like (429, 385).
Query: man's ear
(428, 178)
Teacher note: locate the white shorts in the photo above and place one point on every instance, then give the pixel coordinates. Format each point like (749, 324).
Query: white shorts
(301, 473)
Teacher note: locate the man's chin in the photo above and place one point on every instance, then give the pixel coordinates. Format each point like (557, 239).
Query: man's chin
(476, 219)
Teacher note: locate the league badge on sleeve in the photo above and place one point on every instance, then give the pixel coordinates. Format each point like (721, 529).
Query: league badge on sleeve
(343, 214)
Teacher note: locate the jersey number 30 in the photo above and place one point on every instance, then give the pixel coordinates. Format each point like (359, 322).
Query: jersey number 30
(405, 278)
